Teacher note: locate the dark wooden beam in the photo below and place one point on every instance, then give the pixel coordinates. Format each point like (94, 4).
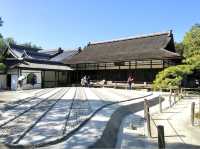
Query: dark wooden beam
(135, 64)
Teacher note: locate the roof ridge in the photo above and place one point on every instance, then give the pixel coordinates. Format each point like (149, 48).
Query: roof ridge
(132, 37)
(55, 50)
(25, 47)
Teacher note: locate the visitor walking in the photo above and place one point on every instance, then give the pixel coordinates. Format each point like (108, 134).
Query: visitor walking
(20, 81)
(130, 81)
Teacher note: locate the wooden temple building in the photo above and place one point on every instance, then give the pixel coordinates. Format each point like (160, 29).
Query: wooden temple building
(45, 66)
(142, 56)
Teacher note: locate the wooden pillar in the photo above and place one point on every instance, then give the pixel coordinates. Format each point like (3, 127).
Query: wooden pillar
(175, 96)
(105, 76)
(58, 76)
(135, 64)
(151, 64)
(163, 62)
(76, 78)
(97, 72)
(119, 74)
(147, 117)
(55, 79)
(161, 137)
(160, 103)
(192, 113)
(44, 79)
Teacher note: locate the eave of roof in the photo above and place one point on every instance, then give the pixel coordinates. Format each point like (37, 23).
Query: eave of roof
(44, 66)
(36, 64)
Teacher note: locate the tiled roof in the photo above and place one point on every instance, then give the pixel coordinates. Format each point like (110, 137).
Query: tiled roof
(35, 64)
(19, 51)
(64, 55)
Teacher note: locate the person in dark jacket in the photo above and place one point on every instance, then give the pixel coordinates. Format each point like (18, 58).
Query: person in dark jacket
(130, 81)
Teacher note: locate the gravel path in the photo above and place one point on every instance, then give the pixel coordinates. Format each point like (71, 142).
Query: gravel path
(109, 137)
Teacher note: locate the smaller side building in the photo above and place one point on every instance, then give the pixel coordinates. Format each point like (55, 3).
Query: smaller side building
(35, 67)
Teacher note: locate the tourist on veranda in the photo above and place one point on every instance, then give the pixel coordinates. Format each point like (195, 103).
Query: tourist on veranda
(20, 81)
(88, 81)
(33, 80)
(85, 81)
(82, 82)
(130, 81)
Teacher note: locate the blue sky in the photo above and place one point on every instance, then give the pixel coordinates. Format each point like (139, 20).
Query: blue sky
(73, 23)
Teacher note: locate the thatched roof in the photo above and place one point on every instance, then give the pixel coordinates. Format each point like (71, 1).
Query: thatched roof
(153, 46)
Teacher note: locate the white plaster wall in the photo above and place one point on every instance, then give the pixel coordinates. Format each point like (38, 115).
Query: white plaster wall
(3, 82)
(38, 75)
(14, 78)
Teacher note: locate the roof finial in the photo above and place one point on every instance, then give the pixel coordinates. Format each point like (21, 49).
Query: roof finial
(170, 32)
(89, 43)
(60, 50)
(79, 49)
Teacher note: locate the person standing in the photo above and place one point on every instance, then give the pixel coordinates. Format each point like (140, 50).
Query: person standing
(82, 82)
(88, 81)
(130, 81)
(85, 81)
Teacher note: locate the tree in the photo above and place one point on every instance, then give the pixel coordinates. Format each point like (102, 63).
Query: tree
(30, 45)
(179, 48)
(8, 40)
(191, 42)
(1, 22)
(3, 47)
(190, 48)
(172, 77)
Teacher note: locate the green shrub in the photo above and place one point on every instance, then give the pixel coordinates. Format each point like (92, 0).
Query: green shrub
(2, 66)
(172, 77)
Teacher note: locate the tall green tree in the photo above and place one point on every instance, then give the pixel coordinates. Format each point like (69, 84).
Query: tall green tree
(2, 45)
(30, 45)
(1, 24)
(179, 48)
(190, 47)
(1, 21)
(191, 42)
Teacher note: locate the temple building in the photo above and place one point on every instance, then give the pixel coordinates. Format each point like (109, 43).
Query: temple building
(143, 56)
(45, 66)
